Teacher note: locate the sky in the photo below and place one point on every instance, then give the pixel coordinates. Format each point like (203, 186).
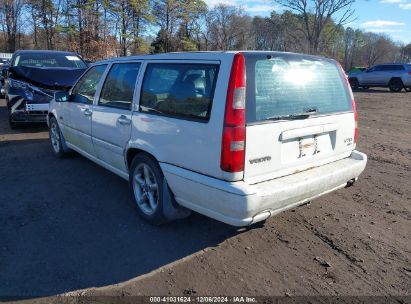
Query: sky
(392, 17)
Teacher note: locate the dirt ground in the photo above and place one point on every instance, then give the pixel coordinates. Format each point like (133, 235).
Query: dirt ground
(69, 226)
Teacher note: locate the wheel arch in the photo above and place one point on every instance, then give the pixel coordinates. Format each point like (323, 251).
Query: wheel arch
(49, 116)
(131, 152)
(351, 79)
(63, 140)
(395, 78)
(171, 210)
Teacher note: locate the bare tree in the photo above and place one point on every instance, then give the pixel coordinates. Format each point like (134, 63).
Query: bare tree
(11, 11)
(230, 28)
(45, 15)
(405, 53)
(378, 48)
(316, 14)
(270, 33)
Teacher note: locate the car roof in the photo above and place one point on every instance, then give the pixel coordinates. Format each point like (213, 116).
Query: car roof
(165, 56)
(201, 55)
(394, 63)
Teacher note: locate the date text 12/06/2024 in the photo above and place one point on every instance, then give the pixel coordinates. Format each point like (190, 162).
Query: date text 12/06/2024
(201, 299)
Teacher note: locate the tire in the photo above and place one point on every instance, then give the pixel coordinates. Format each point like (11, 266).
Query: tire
(13, 125)
(56, 138)
(396, 85)
(146, 183)
(164, 208)
(354, 83)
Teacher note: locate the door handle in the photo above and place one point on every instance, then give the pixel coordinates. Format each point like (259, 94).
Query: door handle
(123, 120)
(87, 112)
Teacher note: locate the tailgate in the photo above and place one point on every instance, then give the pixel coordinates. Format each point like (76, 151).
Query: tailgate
(299, 113)
(283, 148)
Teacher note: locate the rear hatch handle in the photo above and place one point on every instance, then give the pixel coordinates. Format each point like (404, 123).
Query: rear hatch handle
(301, 132)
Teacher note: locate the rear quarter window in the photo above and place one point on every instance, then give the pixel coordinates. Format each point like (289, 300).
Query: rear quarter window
(398, 68)
(180, 90)
(392, 68)
(290, 85)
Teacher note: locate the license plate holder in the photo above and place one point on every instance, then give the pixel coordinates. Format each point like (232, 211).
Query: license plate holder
(30, 107)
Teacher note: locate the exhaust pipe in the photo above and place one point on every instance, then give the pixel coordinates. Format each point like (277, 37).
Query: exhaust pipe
(350, 183)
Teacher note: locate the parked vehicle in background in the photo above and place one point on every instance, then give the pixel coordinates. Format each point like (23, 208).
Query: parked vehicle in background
(5, 58)
(356, 70)
(4, 61)
(236, 136)
(3, 72)
(394, 76)
(32, 79)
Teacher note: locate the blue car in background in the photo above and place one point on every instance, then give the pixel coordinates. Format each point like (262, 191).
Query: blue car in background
(32, 79)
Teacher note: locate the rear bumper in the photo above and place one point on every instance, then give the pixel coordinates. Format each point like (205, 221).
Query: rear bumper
(407, 82)
(242, 204)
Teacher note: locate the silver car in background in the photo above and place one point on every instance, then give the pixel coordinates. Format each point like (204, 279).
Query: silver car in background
(394, 76)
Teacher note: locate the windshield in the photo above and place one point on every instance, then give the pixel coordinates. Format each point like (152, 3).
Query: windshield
(292, 85)
(49, 60)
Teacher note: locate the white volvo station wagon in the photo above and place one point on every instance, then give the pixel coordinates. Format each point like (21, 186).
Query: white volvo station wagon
(236, 136)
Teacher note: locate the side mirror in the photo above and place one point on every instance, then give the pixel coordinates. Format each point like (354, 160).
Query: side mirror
(4, 72)
(62, 96)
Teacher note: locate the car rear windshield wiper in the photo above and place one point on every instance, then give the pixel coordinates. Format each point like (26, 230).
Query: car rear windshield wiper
(307, 113)
(289, 117)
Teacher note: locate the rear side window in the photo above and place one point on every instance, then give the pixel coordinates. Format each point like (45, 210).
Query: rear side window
(392, 67)
(397, 68)
(292, 85)
(181, 90)
(118, 88)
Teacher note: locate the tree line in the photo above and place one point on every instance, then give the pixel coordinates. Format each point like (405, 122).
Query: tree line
(98, 29)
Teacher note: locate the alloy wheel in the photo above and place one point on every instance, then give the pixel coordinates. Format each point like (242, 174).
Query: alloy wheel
(55, 137)
(145, 188)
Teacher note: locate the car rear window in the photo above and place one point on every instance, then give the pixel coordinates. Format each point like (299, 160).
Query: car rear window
(291, 85)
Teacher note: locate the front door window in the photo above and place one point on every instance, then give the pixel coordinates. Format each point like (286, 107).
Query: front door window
(85, 89)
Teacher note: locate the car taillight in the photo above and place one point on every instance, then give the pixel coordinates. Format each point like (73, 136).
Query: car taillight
(354, 106)
(233, 139)
(409, 73)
